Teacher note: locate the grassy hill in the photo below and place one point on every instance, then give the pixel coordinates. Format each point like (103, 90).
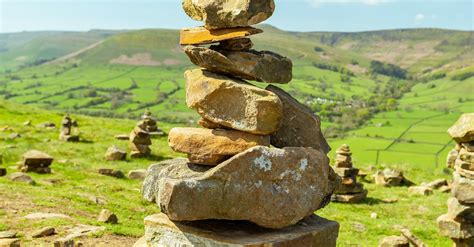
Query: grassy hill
(74, 181)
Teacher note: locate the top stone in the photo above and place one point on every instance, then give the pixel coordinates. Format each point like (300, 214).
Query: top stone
(218, 14)
(463, 130)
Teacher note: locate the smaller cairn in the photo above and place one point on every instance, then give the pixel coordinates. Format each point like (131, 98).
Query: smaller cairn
(349, 190)
(151, 125)
(36, 161)
(66, 130)
(458, 223)
(140, 141)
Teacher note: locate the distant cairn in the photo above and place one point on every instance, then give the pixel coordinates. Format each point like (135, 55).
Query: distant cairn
(458, 223)
(140, 141)
(234, 189)
(349, 191)
(66, 133)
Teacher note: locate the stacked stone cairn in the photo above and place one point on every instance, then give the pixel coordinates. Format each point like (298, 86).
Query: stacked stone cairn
(151, 124)
(66, 133)
(458, 223)
(349, 190)
(139, 141)
(233, 189)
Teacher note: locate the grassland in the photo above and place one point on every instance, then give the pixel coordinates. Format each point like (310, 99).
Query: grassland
(75, 180)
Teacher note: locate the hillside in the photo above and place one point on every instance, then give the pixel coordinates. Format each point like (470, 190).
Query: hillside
(74, 181)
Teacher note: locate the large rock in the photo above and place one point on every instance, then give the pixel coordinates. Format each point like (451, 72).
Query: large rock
(300, 126)
(150, 184)
(310, 232)
(273, 188)
(213, 141)
(233, 102)
(218, 14)
(452, 228)
(261, 66)
(463, 129)
(201, 36)
(36, 161)
(463, 188)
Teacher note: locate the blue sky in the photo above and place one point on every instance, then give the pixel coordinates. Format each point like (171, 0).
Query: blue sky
(294, 15)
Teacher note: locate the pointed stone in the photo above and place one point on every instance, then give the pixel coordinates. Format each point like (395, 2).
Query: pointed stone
(254, 185)
(202, 36)
(300, 126)
(233, 102)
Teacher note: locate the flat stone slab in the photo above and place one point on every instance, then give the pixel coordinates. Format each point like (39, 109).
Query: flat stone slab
(200, 35)
(310, 232)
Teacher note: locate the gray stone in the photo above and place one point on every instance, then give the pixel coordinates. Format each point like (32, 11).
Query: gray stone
(43, 232)
(452, 228)
(313, 231)
(461, 211)
(111, 173)
(420, 190)
(21, 177)
(137, 174)
(300, 126)
(463, 189)
(263, 66)
(8, 234)
(115, 154)
(218, 14)
(107, 216)
(254, 185)
(394, 241)
(463, 130)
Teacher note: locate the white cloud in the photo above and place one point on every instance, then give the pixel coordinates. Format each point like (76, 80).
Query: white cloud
(419, 17)
(317, 3)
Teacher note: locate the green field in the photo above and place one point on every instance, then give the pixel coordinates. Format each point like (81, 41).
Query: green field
(104, 73)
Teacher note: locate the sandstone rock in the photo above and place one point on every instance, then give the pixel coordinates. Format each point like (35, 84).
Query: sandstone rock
(239, 44)
(122, 137)
(394, 241)
(137, 174)
(452, 228)
(27, 123)
(8, 234)
(445, 189)
(233, 103)
(263, 66)
(210, 125)
(468, 146)
(21, 177)
(114, 154)
(140, 136)
(36, 161)
(41, 216)
(350, 198)
(420, 190)
(466, 156)
(436, 184)
(107, 216)
(63, 242)
(111, 173)
(463, 189)
(253, 185)
(83, 230)
(43, 232)
(218, 14)
(201, 36)
(313, 231)
(150, 184)
(346, 172)
(463, 130)
(213, 142)
(207, 159)
(415, 241)
(451, 159)
(3, 172)
(464, 165)
(460, 211)
(350, 189)
(10, 242)
(468, 174)
(300, 126)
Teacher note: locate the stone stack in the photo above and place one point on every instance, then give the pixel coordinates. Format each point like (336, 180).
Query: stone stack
(67, 125)
(234, 189)
(139, 141)
(151, 124)
(349, 190)
(458, 223)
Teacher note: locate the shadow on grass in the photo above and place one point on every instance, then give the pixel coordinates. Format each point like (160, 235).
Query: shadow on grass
(375, 201)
